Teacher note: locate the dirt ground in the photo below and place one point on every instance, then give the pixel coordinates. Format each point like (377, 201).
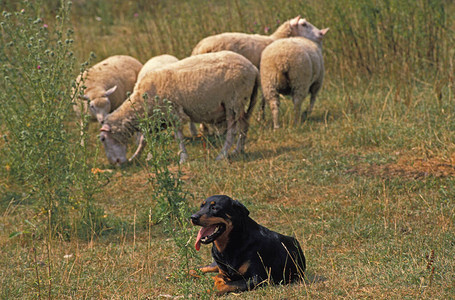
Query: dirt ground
(409, 167)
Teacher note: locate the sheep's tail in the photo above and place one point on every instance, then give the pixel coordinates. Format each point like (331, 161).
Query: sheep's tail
(253, 99)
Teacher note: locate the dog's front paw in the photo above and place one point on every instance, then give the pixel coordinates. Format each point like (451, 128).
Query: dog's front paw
(221, 285)
(194, 273)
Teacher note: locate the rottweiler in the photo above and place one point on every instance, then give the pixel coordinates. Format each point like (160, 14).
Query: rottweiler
(245, 253)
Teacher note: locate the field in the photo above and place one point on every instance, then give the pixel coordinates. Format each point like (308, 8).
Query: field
(366, 184)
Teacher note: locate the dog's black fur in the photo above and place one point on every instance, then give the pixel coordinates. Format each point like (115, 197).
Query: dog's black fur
(246, 254)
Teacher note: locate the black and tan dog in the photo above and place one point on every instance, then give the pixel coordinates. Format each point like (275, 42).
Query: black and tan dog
(245, 253)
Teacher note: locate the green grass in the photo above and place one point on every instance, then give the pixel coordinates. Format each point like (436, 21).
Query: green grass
(365, 184)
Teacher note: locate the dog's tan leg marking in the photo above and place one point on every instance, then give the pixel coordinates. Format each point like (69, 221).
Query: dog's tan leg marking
(243, 268)
(222, 287)
(209, 269)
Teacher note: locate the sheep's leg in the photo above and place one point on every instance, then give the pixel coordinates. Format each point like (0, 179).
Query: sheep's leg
(274, 103)
(309, 109)
(82, 132)
(297, 108)
(314, 89)
(203, 128)
(183, 153)
(141, 143)
(229, 137)
(193, 129)
(261, 115)
(243, 130)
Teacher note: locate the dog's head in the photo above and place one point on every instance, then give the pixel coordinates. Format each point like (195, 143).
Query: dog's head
(218, 215)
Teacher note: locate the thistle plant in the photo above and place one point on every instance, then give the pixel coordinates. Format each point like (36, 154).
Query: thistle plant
(41, 149)
(169, 195)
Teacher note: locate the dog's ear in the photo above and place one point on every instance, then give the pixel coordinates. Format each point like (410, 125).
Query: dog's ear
(241, 208)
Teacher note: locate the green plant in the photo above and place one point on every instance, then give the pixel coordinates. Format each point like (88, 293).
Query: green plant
(169, 194)
(36, 65)
(43, 149)
(366, 184)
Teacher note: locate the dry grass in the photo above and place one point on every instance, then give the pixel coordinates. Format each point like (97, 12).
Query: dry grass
(366, 219)
(365, 185)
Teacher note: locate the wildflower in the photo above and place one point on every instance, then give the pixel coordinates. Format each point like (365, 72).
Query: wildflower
(97, 170)
(277, 21)
(38, 67)
(45, 25)
(136, 15)
(98, 18)
(266, 29)
(22, 11)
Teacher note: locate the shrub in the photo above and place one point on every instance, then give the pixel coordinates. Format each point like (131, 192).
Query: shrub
(41, 151)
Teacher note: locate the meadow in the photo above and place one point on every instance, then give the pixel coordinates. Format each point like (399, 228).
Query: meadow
(366, 184)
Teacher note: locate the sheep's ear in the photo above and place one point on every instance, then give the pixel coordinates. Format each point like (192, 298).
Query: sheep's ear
(294, 22)
(324, 31)
(110, 91)
(302, 21)
(83, 97)
(105, 128)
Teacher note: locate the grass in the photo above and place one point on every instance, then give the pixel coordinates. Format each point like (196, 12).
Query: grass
(365, 184)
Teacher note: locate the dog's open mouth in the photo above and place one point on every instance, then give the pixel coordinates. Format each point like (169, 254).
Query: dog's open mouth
(208, 234)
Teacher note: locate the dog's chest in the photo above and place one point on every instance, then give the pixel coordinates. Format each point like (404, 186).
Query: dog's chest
(231, 271)
(240, 264)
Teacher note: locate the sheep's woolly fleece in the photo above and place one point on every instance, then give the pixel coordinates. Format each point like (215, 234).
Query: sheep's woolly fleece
(155, 63)
(293, 66)
(209, 88)
(249, 45)
(107, 84)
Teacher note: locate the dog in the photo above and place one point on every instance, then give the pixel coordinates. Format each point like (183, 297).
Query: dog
(245, 253)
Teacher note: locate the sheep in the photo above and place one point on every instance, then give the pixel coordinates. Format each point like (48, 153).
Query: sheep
(208, 88)
(155, 63)
(250, 45)
(295, 67)
(107, 84)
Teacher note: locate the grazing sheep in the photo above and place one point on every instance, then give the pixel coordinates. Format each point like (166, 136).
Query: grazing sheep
(208, 88)
(107, 84)
(251, 45)
(295, 67)
(156, 63)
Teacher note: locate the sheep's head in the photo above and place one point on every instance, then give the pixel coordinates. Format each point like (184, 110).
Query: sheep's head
(301, 27)
(115, 150)
(99, 107)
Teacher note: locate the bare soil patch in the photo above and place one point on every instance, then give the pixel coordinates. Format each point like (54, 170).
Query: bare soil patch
(409, 167)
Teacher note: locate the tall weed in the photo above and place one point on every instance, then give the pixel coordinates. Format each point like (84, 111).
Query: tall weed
(169, 197)
(42, 154)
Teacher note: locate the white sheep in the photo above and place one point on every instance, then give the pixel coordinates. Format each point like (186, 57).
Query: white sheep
(250, 45)
(295, 67)
(154, 63)
(208, 88)
(158, 62)
(107, 84)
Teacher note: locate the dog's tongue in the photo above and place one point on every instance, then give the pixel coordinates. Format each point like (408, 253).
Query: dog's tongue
(204, 231)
